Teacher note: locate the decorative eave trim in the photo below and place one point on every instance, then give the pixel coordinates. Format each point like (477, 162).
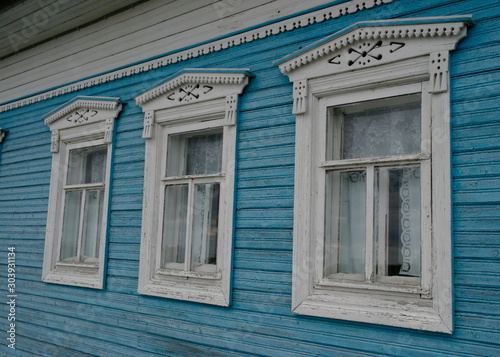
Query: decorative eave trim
(81, 102)
(195, 76)
(289, 24)
(374, 30)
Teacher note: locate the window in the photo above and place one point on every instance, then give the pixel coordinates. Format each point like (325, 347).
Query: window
(373, 192)
(187, 228)
(82, 132)
(191, 201)
(372, 219)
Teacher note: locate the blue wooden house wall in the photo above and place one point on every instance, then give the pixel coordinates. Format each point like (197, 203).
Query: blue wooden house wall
(58, 320)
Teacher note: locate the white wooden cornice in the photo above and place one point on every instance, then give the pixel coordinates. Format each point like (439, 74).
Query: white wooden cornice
(96, 104)
(80, 111)
(196, 84)
(220, 44)
(373, 43)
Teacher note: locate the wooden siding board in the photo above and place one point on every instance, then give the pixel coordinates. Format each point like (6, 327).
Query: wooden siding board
(60, 328)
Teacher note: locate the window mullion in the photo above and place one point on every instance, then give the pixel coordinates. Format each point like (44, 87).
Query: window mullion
(80, 227)
(189, 227)
(206, 225)
(369, 241)
(382, 222)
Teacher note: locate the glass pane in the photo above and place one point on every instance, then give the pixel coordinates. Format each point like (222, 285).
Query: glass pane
(92, 222)
(174, 224)
(87, 165)
(205, 225)
(194, 154)
(379, 128)
(71, 226)
(345, 222)
(398, 212)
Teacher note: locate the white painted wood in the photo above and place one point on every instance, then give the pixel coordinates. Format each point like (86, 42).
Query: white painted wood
(189, 114)
(398, 302)
(370, 220)
(50, 65)
(34, 21)
(85, 131)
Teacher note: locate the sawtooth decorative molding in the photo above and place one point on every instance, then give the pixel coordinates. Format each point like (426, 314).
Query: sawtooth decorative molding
(373, 43)
(83, 111)
(289, 24)
(191, 85)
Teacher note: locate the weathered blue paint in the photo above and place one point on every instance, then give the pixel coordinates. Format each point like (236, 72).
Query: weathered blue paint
(55, 320)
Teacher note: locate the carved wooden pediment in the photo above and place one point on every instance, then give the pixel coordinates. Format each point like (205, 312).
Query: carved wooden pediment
(194, 85)
(375, 43)
(81, 111)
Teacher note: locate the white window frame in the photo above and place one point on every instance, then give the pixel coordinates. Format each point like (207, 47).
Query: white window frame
(422, 159)
(369, 61)
(82, 122)
(193, 100)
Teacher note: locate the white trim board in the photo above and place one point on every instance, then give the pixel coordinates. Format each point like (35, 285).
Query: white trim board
(288, 24)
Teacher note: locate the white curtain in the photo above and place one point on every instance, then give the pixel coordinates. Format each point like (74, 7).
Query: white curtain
(383, 131)
(410, 222)
(352, 226)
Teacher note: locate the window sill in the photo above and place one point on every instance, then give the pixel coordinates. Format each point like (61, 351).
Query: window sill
(188, 274)
(207, 291)
(82, 277)
(378, 287)
(405, 312)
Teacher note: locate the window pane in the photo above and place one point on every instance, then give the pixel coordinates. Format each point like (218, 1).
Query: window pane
(398, 211)
(379, 128)
(71, 226)
(174, 224)
(205, 225)
(194, 154)
(92, 223)
(87, 165)
(345, 222)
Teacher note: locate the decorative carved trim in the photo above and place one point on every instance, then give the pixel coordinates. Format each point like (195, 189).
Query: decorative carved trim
(54, 141)
(438, 69)
(367, 52)
(108, 130)
(299, 97)
(84, 109)
(193, 84)
(290, 24)
(370, 42)
(149, 118)
(231, 109)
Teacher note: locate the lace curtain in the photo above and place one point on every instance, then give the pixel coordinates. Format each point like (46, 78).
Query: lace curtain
(85, 166)
(385, 131)
(188, 154)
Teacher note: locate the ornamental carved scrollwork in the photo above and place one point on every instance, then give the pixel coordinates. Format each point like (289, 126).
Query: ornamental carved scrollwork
(189, 92)
(366, 53)
(82, 116)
